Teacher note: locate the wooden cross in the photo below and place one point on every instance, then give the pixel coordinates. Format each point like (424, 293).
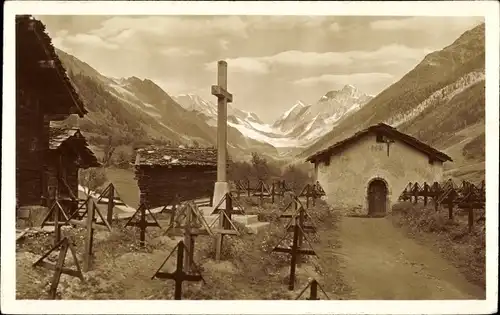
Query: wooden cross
(310, 193)
(142, 224)
(294, 251)
(435, 192)
(194, 224)
(63, 246)
(262, 191)
(313, 293)
(240, 187)
(223, 97)
(388, 142)
(415, 192)
(302, 214)
(91, 226)
(470, 201)
(226, 226)
(179, 275)
(319, 190)
(57, 211)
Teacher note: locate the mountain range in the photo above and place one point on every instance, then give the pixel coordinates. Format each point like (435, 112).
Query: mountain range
(441, 101)
(138, 110)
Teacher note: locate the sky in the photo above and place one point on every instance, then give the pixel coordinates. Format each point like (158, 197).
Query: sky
(273, 61)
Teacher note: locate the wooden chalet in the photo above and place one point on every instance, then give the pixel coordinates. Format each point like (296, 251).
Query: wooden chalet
(163, 173)
(68, 152)
(44, 93)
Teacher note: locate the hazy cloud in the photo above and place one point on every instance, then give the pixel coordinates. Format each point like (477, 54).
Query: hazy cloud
(341, 79)
(181, 52)
(426, 23)
(294, 58)
(86, 40)
(121, 28)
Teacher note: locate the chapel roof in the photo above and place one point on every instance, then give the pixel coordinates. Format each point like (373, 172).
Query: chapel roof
(386, 130)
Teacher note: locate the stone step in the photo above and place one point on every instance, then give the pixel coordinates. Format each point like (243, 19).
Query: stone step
(242, 219)
(257, 227)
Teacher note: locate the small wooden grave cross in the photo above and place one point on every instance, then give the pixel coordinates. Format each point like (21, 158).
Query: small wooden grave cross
(241, 187)
(179, 275)
(426, 192)
(415, 192)
(91, 226)
(261, 191)
(112, 199)
(58, 213)
(448, 197)
(313, 293)
(189, 222)
(142, 223)
(226, 226)
(295, 250)
(319, 190)
(470, 201)
(406, 194)
(95, 210)
(309, 192)
(59, 268)
(302, 214)
(435, 191)
(282, 188)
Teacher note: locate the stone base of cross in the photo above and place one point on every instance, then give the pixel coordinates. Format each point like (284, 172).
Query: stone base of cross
(220, 190)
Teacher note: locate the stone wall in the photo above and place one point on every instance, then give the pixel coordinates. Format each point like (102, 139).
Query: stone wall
(346, 178)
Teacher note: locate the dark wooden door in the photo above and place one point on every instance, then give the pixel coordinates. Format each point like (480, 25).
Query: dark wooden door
(377, 198)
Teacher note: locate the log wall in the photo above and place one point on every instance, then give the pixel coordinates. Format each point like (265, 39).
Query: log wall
(159, 185)
(32, 138)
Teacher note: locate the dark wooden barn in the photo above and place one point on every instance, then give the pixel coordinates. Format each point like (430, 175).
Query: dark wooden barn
(68, 152)
(44, 93)
(164, 172)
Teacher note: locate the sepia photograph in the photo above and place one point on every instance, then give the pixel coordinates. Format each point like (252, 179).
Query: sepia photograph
(216, 155)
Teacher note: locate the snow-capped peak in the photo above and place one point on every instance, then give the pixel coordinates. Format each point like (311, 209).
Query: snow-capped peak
(298, 105)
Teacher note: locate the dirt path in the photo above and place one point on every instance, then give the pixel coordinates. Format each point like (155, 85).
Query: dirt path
(380, 262)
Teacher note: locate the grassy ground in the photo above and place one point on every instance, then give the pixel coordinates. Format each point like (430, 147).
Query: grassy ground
(466, 251)
(123, 270)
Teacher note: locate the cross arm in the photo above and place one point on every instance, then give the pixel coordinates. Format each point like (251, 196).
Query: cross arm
(177, 276)
(140, 224)
(222, 93)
